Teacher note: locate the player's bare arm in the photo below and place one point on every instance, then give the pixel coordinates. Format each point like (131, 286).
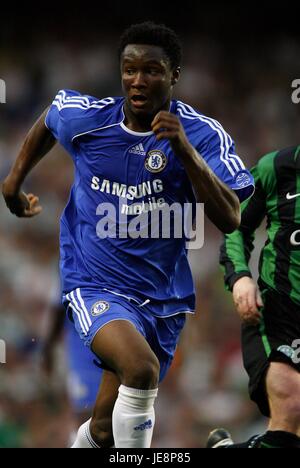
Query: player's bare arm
(38, 142)
(55, 333)
(221, 204)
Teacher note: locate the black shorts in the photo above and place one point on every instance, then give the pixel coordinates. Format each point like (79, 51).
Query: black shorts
(271, 341)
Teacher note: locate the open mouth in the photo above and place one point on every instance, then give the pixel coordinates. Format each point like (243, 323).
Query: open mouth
(138, 100)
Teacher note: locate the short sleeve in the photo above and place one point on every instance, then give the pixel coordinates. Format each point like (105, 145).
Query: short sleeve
(219, 153)
(72, 113)
(64, 108)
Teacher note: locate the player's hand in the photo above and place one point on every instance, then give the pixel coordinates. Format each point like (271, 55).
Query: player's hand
(247, 300)
(168, 126)
(22, 205)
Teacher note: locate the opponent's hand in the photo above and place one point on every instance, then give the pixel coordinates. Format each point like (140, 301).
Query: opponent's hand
(247, 300)
(168, 126)
(22, 205)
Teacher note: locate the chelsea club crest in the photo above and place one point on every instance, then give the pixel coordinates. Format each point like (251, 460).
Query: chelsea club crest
(156, 161)
(99, 308)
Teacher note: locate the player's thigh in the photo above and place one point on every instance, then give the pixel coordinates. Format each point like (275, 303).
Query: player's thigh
(124, 349)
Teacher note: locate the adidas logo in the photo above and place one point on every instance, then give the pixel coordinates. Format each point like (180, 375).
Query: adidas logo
(138, 149)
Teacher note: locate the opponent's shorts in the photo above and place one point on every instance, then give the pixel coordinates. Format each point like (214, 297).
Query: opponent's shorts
(276, 339)
(91, 309)
(84, 376)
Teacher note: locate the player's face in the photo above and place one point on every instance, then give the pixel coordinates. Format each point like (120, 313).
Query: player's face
(147, 79)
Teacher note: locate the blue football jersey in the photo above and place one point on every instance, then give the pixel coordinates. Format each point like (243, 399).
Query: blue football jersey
(133, 173)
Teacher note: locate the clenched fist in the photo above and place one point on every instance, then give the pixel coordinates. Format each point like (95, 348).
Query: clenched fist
(21, 204)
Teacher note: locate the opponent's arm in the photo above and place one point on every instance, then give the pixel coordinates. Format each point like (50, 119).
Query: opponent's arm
(38, 142)
(236, 252)
(56, 327)
(222, 205)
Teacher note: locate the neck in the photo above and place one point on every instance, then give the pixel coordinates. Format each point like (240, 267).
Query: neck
(141, 123)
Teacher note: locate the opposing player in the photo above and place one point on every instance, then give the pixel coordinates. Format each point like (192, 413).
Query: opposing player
(83, 375)
(270, 311)
(134, 156)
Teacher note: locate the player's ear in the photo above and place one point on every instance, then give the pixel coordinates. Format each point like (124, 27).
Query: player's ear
(175, 76)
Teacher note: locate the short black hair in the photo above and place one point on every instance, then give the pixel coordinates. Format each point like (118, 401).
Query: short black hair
(149, 33)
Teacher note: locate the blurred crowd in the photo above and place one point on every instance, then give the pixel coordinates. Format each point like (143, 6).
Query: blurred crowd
(248, 89)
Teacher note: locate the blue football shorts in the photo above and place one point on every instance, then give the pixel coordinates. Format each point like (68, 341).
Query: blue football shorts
(91, 309)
